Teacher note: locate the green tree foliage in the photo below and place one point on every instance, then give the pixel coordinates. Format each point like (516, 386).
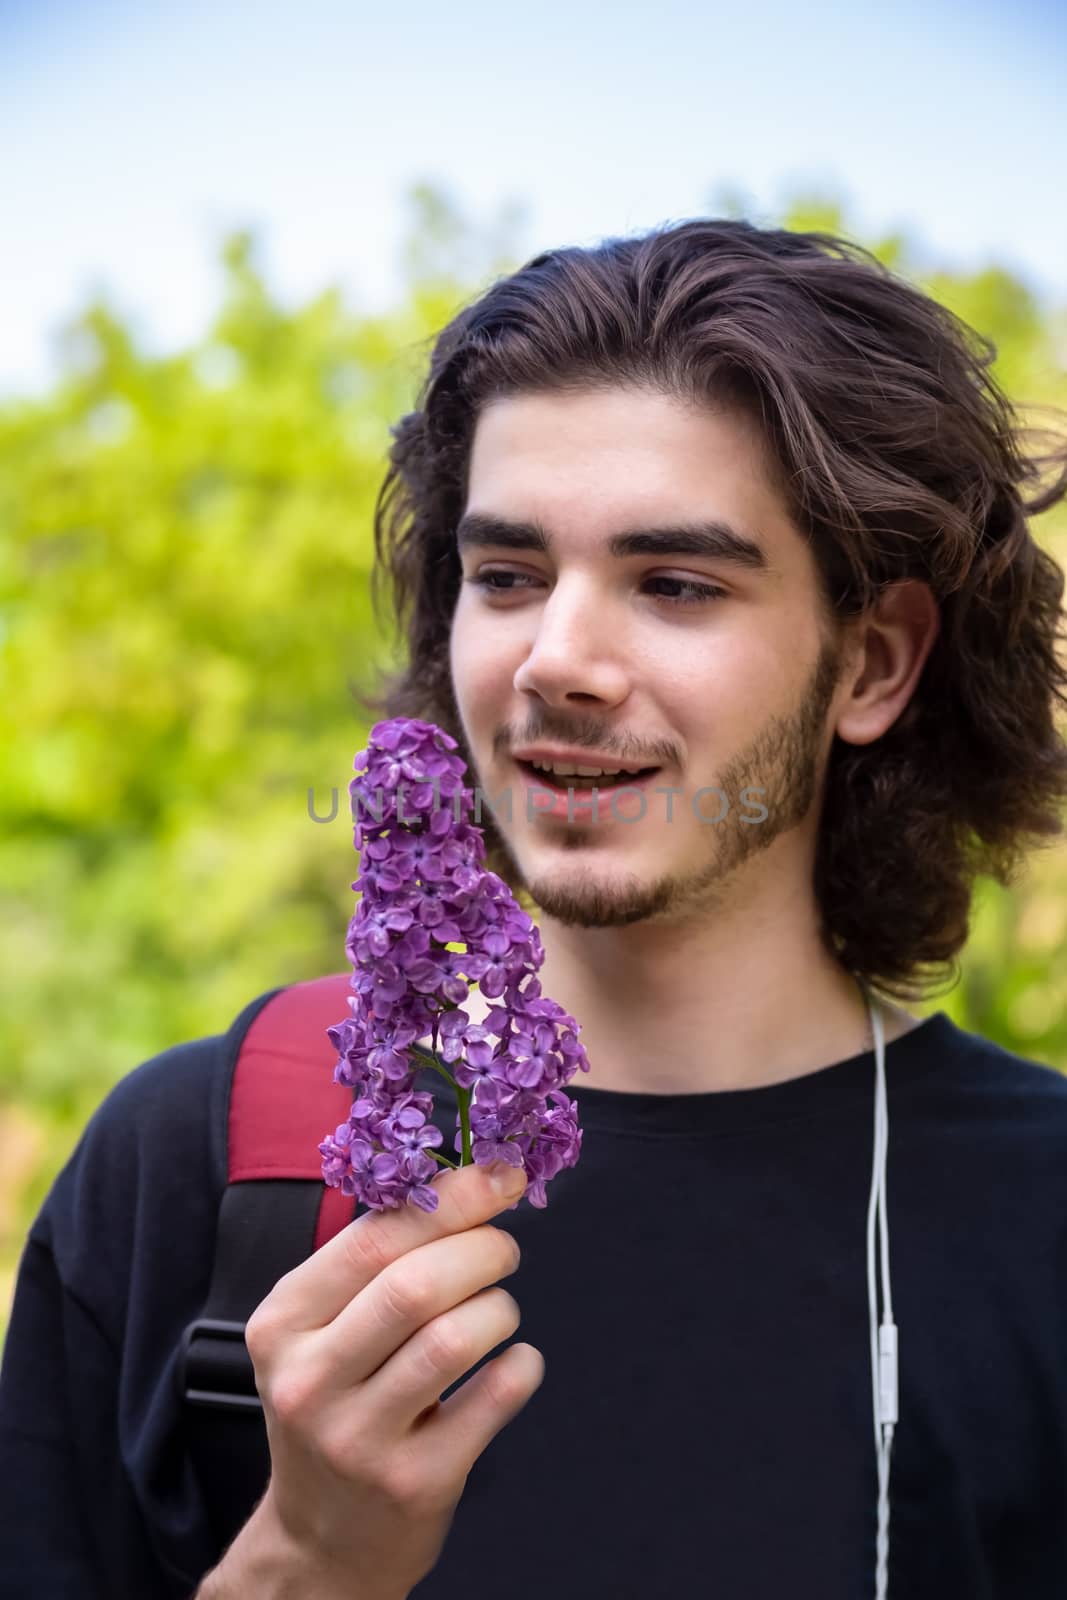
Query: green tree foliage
(185, 542)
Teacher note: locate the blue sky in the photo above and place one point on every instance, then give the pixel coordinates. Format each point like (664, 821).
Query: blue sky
(136, 135)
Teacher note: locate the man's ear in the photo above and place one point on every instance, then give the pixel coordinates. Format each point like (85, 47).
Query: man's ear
(887, 650)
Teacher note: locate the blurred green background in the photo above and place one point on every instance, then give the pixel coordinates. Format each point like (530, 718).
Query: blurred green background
(185, 547)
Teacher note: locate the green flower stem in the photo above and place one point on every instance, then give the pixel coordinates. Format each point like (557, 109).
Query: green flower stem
(426, 1060)
(442, 1159)
(463, 1098)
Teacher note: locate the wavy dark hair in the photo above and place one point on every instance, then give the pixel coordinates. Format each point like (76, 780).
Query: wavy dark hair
(897, 455)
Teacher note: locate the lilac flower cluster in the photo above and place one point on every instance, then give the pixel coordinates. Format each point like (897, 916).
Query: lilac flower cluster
(424, 889)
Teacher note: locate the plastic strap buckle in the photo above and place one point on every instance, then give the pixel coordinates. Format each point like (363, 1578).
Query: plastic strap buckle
(208, 1362)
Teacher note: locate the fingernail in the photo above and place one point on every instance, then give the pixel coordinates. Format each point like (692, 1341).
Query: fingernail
(505, 1178)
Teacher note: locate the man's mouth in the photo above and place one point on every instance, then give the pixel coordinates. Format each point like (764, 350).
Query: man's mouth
(584, 783)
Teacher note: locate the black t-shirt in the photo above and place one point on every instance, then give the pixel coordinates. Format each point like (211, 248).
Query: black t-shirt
(698, 1288)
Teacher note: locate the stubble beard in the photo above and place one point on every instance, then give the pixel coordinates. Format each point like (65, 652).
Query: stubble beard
(782, 760)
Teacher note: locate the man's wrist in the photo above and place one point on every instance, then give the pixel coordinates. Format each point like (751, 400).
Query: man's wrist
(263, 1560)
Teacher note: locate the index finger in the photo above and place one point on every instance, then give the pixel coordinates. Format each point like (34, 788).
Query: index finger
(319, 1289)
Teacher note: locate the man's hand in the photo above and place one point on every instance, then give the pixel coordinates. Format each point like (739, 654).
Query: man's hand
(352, 1351)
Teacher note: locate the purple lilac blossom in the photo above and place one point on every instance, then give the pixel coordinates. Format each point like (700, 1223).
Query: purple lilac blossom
(423, 886)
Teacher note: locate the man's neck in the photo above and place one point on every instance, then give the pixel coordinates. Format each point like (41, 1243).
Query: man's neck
(733, 1002)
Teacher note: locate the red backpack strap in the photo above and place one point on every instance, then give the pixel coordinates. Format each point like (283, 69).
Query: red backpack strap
(283, 1100)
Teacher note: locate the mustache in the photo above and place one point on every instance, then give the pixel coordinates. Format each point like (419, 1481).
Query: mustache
(590, 736)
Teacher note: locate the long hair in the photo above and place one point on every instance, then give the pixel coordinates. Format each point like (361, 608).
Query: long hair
(897, 456)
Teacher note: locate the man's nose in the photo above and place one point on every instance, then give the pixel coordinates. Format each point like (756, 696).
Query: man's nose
(578, 652)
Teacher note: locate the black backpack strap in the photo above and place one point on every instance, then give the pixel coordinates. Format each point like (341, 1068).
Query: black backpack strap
(274, 1212)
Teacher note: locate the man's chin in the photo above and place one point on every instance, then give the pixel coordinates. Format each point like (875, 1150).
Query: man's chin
(584, 899)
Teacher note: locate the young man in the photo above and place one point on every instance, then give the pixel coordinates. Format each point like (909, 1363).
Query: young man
(738, 516)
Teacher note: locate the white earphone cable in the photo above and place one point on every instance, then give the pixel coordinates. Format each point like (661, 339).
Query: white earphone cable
(883, 1340)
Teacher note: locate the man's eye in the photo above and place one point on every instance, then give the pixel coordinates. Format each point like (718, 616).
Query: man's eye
(692, 592)
(498, 582)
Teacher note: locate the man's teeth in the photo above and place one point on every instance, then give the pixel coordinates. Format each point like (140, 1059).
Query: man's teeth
(566, 769)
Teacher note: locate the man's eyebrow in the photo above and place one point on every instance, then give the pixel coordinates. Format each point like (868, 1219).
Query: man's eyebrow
(714, 539)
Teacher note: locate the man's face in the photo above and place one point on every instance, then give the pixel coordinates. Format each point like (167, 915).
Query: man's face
(622, 656)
